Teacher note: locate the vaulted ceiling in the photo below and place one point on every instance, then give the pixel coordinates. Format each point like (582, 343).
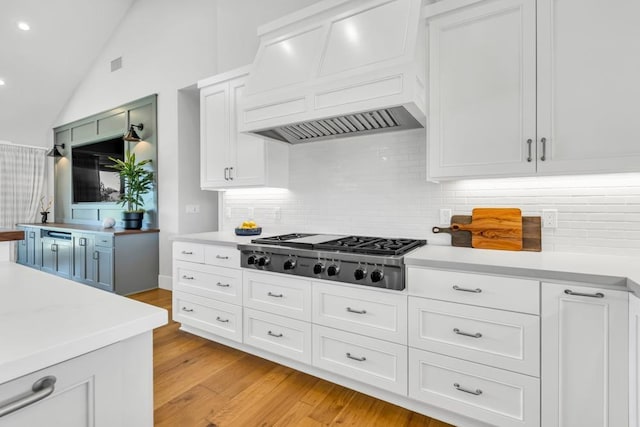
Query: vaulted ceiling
(42, 67)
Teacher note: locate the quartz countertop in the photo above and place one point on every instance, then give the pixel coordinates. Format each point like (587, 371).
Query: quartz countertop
(46, 319)
(612, 271)
(225, 238)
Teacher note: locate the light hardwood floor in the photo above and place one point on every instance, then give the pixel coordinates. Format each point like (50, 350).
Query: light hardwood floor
(199, 383)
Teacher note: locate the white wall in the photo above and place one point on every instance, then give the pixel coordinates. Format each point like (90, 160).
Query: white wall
(376, 185)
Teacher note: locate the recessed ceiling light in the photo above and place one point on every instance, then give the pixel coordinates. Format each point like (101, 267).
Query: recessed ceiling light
(1, 82)
(24, 26)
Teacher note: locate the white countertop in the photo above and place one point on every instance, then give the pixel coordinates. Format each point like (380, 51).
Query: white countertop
(45, 319)
(613, 271)
(225, 238)
(602, 270)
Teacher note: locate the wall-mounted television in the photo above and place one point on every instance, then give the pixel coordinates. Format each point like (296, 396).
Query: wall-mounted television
(93, 179)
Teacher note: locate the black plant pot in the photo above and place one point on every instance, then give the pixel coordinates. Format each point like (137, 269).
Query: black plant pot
(132, 220)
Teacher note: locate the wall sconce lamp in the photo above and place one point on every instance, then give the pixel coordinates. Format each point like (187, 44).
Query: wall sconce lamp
(132, 135)
(54, 152)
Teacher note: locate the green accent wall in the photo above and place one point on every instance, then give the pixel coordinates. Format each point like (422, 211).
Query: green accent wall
(101, 127)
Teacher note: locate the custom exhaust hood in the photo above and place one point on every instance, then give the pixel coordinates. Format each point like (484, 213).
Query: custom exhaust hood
(338, 68)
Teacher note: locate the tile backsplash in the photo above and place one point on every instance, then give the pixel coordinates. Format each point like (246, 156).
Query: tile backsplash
(376, 185)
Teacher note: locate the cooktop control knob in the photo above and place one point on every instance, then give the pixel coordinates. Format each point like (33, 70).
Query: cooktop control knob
(289, 264)
(360, 273)
(318, 268)
(333, 270)
(252, 259)
(377, 275)
(263, 260)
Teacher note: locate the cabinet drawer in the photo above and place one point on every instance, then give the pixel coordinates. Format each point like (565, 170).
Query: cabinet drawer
(209, 315)
(104, 241)
(498, 338)
(276, 294)
(224, 284)
(222, 256)
(477, 289)
(186, 251)
(375, 313)
(376, 362)
(276, 334)
(495, 396)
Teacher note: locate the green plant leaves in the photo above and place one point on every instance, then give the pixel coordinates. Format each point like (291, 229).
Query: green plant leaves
(138, 181)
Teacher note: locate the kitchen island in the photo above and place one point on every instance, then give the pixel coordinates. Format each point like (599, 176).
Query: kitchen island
(96, 344)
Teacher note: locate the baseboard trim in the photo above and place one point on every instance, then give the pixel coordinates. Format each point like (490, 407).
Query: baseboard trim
(165, 282)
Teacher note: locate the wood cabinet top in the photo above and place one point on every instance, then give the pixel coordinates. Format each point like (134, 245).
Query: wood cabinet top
(7, 235)
(89, 228)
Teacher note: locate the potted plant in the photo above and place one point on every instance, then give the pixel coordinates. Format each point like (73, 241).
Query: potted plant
(138, 181)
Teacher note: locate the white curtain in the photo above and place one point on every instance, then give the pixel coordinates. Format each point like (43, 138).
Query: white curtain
(22, 171)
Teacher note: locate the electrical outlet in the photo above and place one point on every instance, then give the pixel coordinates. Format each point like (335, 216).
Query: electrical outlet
(550, 218)
(250, 212)
(277, 213)
(192, 209)
(227, 212)
(445, 216)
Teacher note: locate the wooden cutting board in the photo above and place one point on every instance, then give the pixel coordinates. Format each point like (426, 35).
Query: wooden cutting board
(531, 233)
(494, 228)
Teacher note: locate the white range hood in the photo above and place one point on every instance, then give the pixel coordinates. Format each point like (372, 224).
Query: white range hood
(338, 68)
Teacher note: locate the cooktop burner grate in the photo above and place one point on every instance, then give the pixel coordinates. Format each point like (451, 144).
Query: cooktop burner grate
(371, 245)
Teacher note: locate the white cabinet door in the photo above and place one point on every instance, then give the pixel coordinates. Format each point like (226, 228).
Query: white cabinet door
(247, 152)
(588, 85)
(634, 361)
(214, 136)
(483, 91)
(584, 356)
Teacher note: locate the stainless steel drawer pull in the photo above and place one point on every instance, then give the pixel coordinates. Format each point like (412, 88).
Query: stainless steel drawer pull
(187, 252)
(359, 359)
(185, 277)
(188, 310)
(222, 257)
(351, 310)
(271, 294)
(221, 320)
(41, 389)
(544, 149)
(467, 334)
(458, 288)
(529, 142)
(477, 392)
(275, 335)
(223, 285)
(580, 294)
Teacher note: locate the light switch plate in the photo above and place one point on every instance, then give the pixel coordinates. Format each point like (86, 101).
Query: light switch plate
(550, 218)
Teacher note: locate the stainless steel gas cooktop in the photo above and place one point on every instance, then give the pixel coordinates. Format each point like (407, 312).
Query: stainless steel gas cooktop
(362, 260)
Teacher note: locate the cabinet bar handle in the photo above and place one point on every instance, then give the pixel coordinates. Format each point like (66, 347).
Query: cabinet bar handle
(467, 334)
(41, 389)
(96, 255)
(187, 253)
(32, 234)
(351, 310)
(221, 320)
(458, 387)
(188, 310)
(54, 247)
(223, 285)
(274, 295)
(82, 241)
(230, 176)
(580, 294)
(226, 174)
(275, 335)
(185, 277)
(529, 142)
(359, 359)
(222, 257)
(458, 288)
(544, 149)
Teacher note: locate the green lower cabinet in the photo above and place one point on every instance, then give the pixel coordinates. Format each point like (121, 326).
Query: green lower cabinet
(57, 256)
(103, 268)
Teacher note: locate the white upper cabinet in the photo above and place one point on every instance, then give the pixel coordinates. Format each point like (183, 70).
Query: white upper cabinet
(589, 85)
(228, 158)
(482, 90)
(524, 87)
